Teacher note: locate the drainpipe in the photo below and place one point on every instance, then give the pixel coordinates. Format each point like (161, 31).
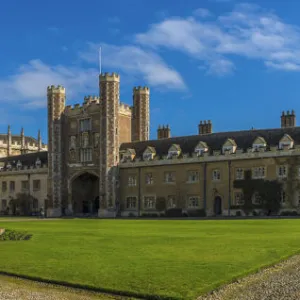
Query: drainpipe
(229, 186)
(204, 186)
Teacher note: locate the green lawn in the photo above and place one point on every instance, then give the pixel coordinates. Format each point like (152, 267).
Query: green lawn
(176, 259)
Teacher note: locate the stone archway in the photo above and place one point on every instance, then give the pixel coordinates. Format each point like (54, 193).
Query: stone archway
(218, 206)
(85, 192)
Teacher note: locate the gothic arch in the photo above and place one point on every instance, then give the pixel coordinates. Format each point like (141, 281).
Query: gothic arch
(77, 174)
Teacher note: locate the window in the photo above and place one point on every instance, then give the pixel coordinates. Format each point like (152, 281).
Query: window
(169, 177)
(216, 175)
(19, 165)
(259, 172)
(193, 202)
(38, 163)
(36, 185)
(4, 204)
(173, 154)
(239, 198)
(193, 176)
(131, 202)
(85, 125)
(282, 171)
(132, 180)
(256, 199)
(149, 202)
(239, 174)
(12, 186)
(149, 178)
(147, 156)
(4, 186)
(25, 185)
(282, 197)
(171, 201)
(85, 155)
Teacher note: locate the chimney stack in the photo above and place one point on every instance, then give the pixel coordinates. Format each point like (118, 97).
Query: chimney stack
(163, 132)
(205, 127)
(288, 119)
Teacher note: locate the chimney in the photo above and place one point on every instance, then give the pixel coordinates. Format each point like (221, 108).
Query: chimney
(288, 119)
(205, 127)
(163, 132)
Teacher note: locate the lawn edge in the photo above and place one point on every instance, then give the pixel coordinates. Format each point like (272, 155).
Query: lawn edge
(222, 284)
(88, 288)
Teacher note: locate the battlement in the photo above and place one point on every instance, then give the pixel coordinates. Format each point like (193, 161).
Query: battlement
(90, 99)
(141, 89)
(287, 113)
(125, 109)
(56, 89)
(109, 77)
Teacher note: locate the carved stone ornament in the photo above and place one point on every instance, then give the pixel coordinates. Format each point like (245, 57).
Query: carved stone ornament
(96, 139)
(85, 140)
(72, 142)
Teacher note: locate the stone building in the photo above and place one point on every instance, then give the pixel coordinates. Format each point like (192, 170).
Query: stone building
(12, 144)
(100, 161)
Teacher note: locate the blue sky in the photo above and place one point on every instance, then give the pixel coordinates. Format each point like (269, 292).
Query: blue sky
(235, 63)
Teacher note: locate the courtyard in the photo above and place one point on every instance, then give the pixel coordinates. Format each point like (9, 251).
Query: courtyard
(170, 259)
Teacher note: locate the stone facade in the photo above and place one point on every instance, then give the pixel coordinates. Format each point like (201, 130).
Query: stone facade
(100, 160)
(11, 144)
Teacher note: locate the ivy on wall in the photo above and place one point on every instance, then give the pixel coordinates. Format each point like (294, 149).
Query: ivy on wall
(268, 190)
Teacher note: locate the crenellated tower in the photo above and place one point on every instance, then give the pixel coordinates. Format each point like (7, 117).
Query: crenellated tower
(140, 117)
(56, 97)
(109, 85)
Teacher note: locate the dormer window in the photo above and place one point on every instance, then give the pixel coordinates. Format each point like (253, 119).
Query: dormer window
(128, 155)
(38, 163)
(286, 142)
(19, 165)
(229, 146)
(174, 151)
(149, 153)
(259, 144)
(201, 148)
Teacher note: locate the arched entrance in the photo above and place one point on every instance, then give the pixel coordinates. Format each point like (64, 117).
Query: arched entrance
(218, 206)
(85, 194)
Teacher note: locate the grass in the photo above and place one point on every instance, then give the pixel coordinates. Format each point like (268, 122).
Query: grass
(170, 259)
(24, 289)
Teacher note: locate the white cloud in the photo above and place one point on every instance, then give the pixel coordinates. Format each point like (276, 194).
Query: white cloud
(29, 84)
(202, 12)
(247, 31)
(135, 61)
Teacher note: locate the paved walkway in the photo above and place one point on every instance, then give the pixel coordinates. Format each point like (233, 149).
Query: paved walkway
(279, 282)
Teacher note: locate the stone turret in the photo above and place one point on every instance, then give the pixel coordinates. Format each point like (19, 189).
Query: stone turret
(9, 141)
(56, 96)
(109, 148)
(39, 141)
(140, 114)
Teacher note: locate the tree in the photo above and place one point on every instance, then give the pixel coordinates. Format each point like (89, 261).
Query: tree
(268, 190)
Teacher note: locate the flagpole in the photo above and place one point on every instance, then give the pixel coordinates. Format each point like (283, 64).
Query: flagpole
(100, 60)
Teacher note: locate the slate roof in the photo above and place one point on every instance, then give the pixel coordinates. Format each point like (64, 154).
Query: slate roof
(244, 140)
(27, 159)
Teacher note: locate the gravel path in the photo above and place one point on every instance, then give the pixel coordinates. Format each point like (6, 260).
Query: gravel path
(19, 289)
(281, 282)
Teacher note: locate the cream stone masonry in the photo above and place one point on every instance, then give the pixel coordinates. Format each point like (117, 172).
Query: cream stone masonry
(100, 161)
